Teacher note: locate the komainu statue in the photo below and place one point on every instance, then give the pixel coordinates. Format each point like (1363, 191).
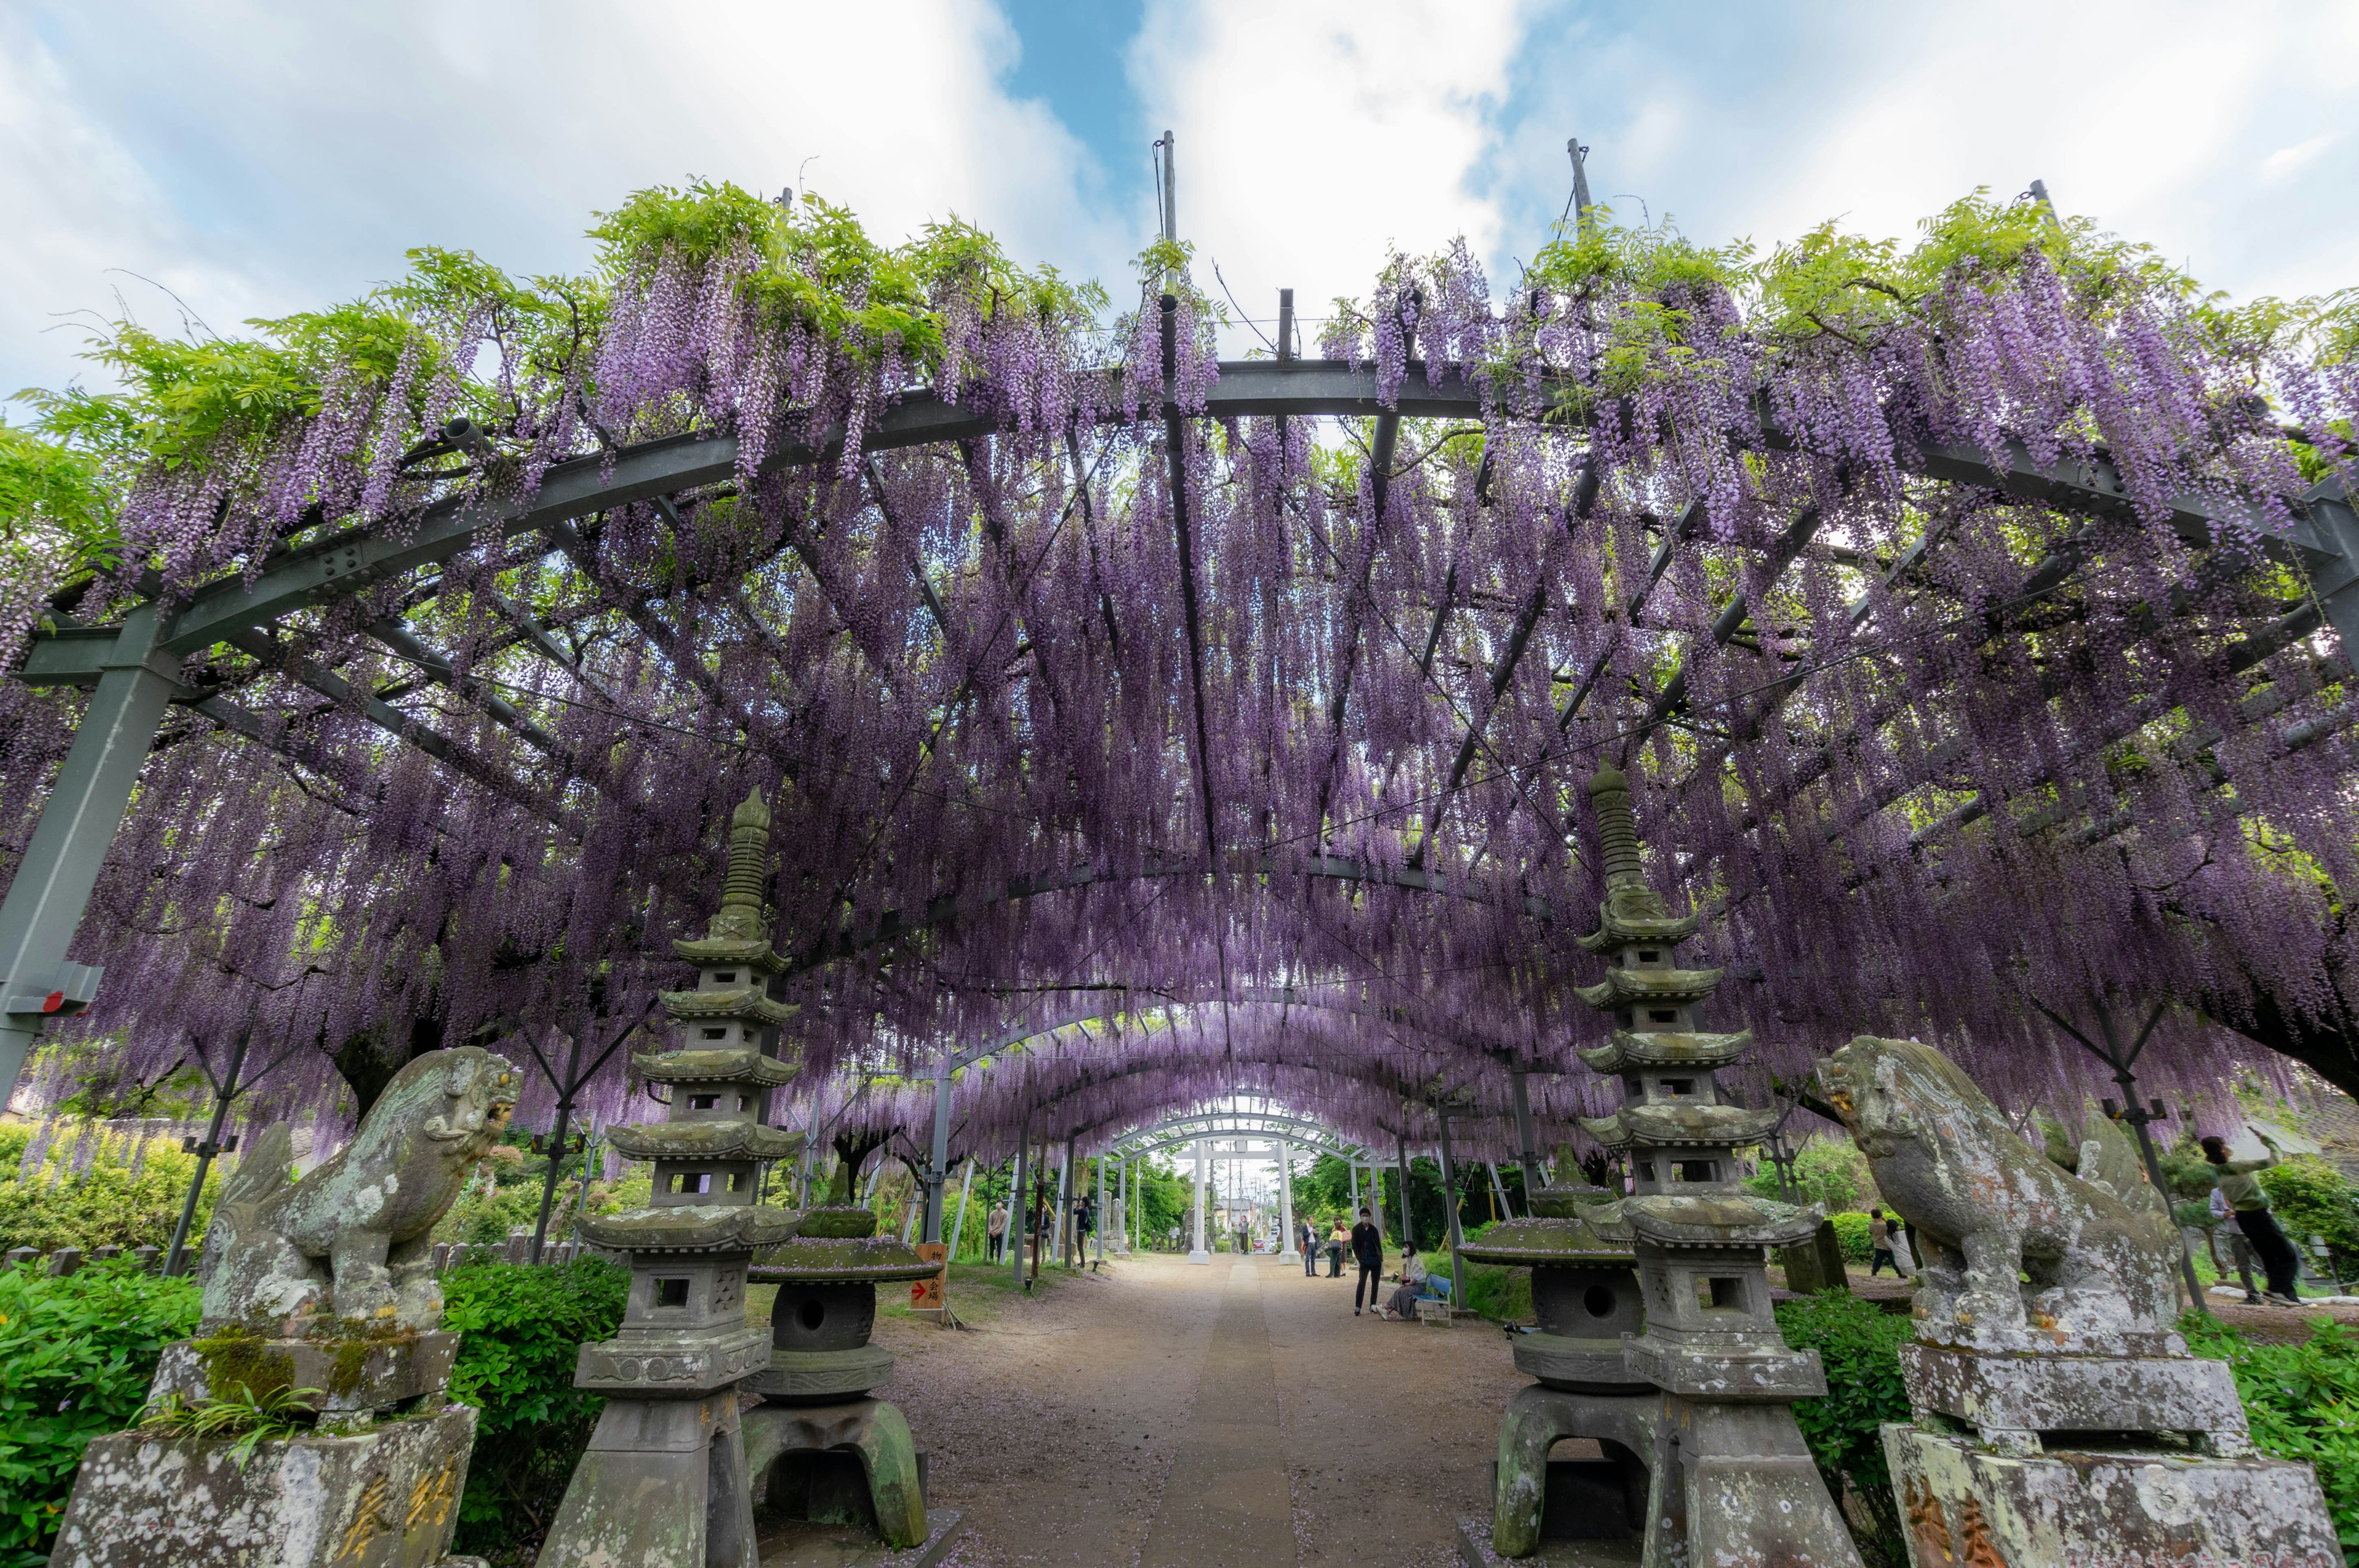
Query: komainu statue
(354, 1238)
(1983, 1204)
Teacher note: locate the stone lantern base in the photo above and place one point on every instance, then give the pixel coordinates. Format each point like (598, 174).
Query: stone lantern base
(386, 1496)
(1964, 1503)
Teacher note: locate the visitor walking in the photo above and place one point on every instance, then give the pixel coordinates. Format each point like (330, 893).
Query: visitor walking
(2240, 1250)
(1879, 1237)
(2249, 1201)
(1337, 1237)
(1309, 1241)
(994, 1230)
(1368, 1251)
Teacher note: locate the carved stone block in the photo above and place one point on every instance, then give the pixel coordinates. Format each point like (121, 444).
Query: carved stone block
(384, 1498)
(2029, 1394)
(1964, 1504)
(687, 1363)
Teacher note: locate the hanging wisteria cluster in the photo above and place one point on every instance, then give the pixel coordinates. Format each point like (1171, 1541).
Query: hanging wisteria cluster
(1929, 755)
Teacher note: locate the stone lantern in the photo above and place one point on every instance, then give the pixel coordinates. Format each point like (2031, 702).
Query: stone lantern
(820, 1446)
(1728, 1477)
(663, 1481)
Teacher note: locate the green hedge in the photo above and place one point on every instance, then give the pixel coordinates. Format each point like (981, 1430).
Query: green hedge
(523, 1330)
(1859, 1344)
(76, 1354)
(126, 1196)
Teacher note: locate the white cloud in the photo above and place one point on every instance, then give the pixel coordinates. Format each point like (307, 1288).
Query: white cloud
(1313, 137)
(2286, 162)
(274, 159)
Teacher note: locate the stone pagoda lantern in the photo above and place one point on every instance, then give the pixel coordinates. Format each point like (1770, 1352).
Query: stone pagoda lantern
(821, 1447)
(664, 1482)
(1729, 1478)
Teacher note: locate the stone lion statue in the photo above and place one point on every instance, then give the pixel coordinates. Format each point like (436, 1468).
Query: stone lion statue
(353, 1237)
(1986, 1208)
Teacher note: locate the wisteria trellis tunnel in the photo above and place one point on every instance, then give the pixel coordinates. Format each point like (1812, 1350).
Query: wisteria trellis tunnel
(1971, 619)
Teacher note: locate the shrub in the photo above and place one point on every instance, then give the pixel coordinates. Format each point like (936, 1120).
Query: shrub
(76, 1354)
(1851, 1236)
(2303, 1403)
(523, 1330)
(1860, 1346)
(128, 1196)
(2312, 1198)
(1499, 1293)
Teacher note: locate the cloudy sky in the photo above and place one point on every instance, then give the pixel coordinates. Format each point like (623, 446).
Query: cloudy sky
(253, 159)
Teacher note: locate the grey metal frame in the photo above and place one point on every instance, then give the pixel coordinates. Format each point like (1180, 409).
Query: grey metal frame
(134, 667)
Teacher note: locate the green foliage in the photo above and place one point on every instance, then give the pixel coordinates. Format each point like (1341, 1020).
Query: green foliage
(1853, 1236)
(1499, 1293)
(53, 500)
(2311, 1198)
(1830, 1171)
(1860, 1346)
(76, 1354)
(812, 264)
(2302, 1401)
(243, 1414)
(123, 1197)
(523, 1329)
(2187, 1173)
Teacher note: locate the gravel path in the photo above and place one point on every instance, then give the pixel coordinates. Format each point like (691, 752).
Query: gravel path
(1057, 1424)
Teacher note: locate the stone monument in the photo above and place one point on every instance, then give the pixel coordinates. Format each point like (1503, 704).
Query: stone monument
(2060, 1417)
(663, 1483)
(1729, 1479)
(821, 1447)
(1585, 1294)
(320, 1296)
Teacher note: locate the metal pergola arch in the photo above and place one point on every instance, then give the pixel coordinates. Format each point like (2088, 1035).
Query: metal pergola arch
(132, 667)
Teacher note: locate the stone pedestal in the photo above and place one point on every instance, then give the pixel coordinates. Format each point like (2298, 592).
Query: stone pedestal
(2019, 1404)
(1964, 1503)
(384, 1496)
(360, 1371)
(788, 1451)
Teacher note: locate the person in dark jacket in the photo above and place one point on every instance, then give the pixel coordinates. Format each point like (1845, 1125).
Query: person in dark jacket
(1368, 1252)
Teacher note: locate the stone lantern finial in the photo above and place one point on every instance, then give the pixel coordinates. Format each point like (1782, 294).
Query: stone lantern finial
(740, 916)
(1617, 829)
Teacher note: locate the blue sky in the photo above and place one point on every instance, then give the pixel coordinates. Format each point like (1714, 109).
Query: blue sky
(253, 159)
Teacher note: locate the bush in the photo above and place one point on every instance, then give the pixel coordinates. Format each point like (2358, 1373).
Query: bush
(1500, 1293)
(523, 1330)
(128, 1196)
(1860, 1346)
(2303, 1403)
(76, 1354)
(1852, 1235)
(2312, 1198)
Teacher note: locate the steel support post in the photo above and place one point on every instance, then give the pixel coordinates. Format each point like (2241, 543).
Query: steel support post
(61, 861)
(1528, 1153)
(1097, 1231)
(1063, 1229)
(1408, 1238)
(224, 1092)
(958, 1227)
(938, 1159)
(1018, 1203)
(1290, 1249)
(1199, 1255)
(1449, 1212)
(557, 1134)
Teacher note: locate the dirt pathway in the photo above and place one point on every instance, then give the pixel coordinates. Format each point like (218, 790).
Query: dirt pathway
(1163, 1414)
